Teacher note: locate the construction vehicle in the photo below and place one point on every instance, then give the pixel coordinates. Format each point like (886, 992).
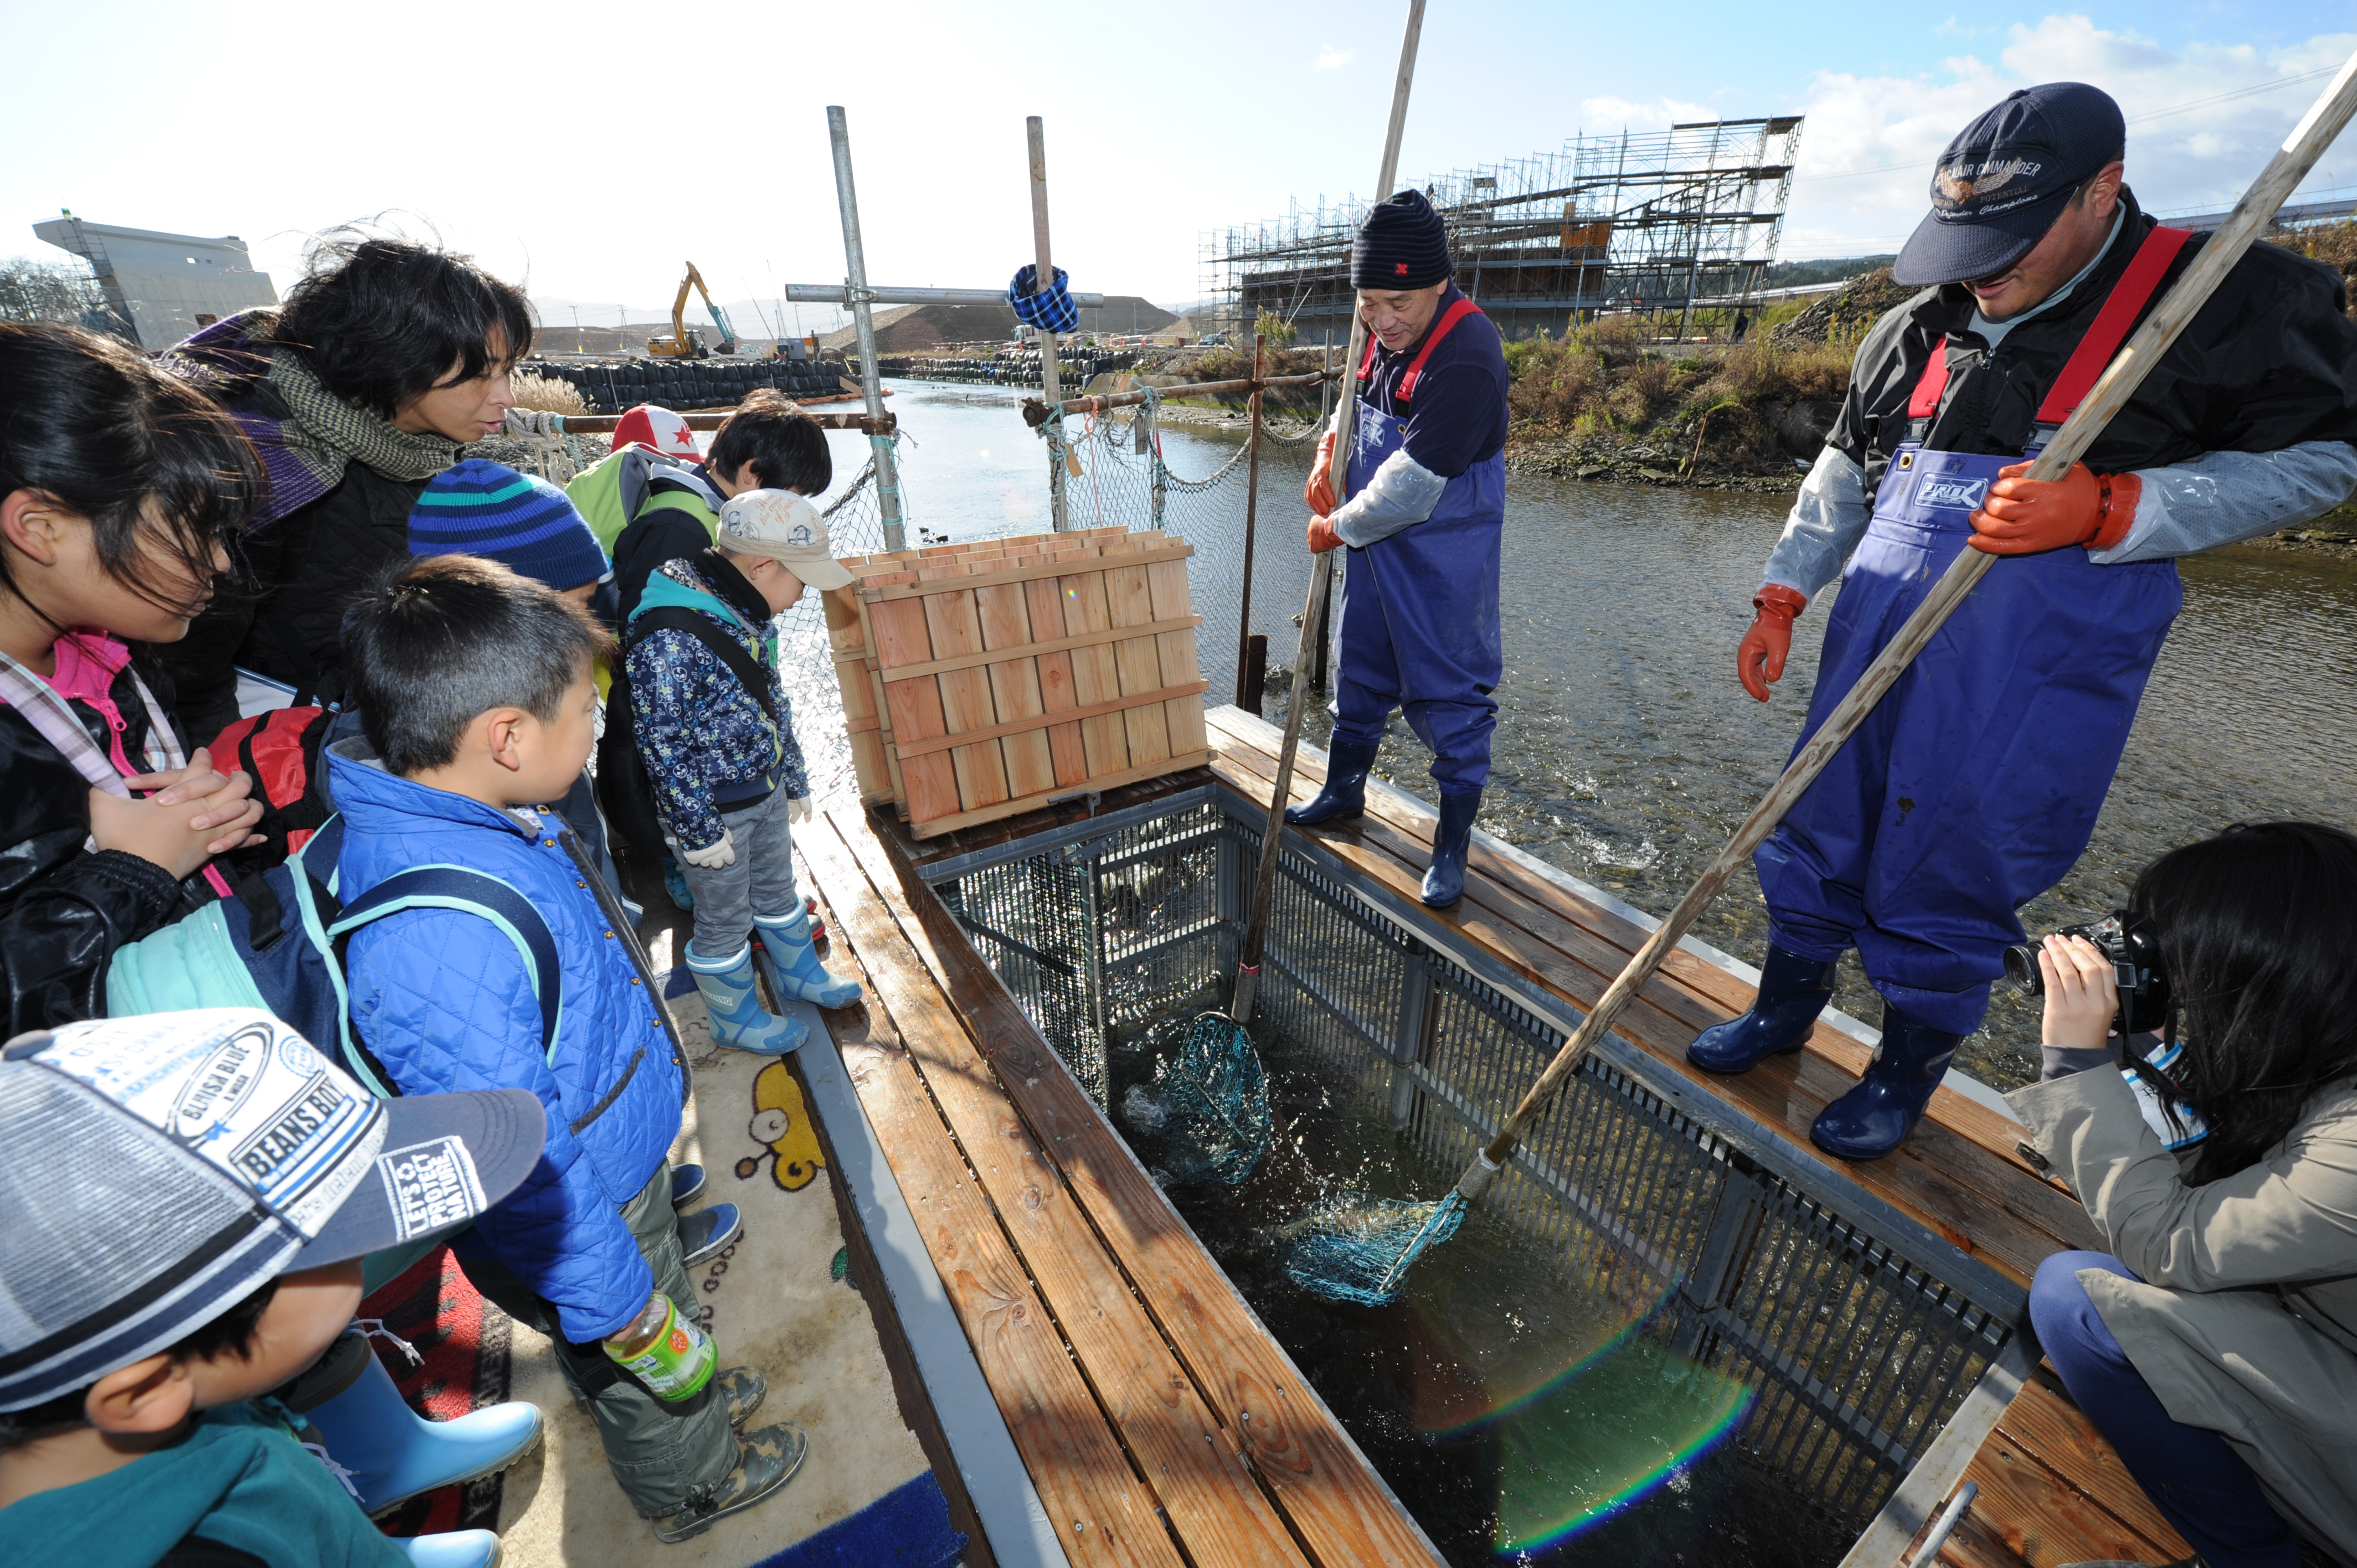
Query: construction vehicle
(684, 344)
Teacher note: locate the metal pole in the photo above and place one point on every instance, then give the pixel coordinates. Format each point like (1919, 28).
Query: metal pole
(1252, 515)
(1051, 385)
(854, 261)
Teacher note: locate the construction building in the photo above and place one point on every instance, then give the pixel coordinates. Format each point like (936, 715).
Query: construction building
(161, 287)
(1676, 226)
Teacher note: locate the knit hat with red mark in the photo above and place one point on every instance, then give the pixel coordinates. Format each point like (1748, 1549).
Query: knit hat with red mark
(1402, 244)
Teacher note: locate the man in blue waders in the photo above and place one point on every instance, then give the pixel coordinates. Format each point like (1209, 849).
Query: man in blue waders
(1426, 508)
(1975, 784)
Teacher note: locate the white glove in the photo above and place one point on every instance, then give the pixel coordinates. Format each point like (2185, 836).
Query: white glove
(798, 809)
(713, 856)
(530, 421)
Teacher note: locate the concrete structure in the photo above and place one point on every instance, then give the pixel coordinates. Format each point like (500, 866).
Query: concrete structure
(162, 287)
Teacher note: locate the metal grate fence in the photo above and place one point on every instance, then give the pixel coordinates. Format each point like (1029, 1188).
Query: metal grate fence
(1858, 1346)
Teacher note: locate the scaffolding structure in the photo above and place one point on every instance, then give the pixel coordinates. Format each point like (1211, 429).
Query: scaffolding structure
(1674, 226)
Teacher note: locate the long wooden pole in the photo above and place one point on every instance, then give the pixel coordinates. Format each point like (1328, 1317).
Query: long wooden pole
(2283, 173)
(1051, 384)
(1273, 835)
(1251, 521)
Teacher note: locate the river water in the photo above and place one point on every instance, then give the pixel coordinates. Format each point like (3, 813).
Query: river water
(1627, 753)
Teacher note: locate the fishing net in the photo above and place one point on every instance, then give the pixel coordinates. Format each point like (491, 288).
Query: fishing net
(1359, 1249)
(1209, 1101)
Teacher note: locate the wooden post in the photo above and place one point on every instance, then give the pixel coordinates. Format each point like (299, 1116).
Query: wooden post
(1051, 384)
(1252, 518)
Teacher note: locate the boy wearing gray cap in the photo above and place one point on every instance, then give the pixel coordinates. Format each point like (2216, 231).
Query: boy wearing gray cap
(189, 1197)
(717, 732)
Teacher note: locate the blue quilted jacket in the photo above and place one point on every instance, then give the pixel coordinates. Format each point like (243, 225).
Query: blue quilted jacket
(443, 999)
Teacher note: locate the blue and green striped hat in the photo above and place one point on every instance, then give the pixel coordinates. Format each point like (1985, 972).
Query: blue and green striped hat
(487, 508)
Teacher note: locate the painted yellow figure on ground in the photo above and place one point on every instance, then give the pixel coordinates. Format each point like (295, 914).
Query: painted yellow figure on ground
(782, 1121)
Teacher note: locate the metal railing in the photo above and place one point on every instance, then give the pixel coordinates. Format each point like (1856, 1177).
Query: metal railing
(1859, 1331)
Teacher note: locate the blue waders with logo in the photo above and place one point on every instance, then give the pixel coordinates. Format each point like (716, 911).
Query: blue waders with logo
(1973, 786)
(1420, 619)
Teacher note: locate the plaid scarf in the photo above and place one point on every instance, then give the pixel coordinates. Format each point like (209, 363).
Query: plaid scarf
(304, 453)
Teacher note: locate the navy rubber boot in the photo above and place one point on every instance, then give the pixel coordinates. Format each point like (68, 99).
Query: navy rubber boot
(1345, 792)
(1452, 840)
(1876, 1117)
(1792, 990)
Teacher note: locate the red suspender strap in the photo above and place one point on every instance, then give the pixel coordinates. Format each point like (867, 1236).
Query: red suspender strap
(1455, 312)
(2129, 297)
(1925, 403)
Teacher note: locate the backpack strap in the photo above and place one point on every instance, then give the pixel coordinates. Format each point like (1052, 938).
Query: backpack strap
(725, 648)
(488, 899)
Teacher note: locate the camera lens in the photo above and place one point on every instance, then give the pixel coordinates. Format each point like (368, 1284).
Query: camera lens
(2021, 968)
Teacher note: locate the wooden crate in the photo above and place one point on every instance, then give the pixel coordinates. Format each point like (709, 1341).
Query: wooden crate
(981, 680)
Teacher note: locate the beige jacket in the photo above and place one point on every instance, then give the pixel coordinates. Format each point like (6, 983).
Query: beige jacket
(2247, 1325)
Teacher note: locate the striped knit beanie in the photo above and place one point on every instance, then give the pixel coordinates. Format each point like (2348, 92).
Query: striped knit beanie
(1402, 244)
(487, 508)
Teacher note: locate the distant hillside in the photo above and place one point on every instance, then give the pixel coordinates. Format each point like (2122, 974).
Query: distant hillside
(1793, 274)
(913, 328)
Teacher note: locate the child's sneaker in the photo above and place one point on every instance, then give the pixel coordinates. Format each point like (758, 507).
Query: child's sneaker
(706, 1233)
(766, 1460)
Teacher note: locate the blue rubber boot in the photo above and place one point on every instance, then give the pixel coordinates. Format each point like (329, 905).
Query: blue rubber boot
(1792, 990)
(1345, 794)
(1876, 1117)
(1452, 840)
(391, 1453)
(793, 965)
(452, 1549)
(738, 1019)
(675, 884)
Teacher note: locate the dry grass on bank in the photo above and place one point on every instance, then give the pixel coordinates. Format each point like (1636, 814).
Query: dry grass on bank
(546, 394)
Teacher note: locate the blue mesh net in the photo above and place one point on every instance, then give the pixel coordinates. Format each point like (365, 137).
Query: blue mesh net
(1360, 1249)
(1215, 1103)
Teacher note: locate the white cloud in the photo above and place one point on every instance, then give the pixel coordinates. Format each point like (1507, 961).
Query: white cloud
(1654, 115)
(1329, 57)
(1865, 156)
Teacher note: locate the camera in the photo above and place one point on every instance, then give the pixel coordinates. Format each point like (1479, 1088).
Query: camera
(2133, 948)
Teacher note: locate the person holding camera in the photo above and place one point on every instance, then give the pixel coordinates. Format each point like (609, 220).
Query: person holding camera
(2216, 1344)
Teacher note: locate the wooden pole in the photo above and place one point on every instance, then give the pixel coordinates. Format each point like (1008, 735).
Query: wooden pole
(1252, 519)
(2111, 393)
(1051, 384)
(1313, 614)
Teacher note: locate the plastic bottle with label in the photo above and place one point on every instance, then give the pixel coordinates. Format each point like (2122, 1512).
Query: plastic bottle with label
(670, 1354)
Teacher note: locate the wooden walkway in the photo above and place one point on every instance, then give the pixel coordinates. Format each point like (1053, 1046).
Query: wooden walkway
(1159, 1423)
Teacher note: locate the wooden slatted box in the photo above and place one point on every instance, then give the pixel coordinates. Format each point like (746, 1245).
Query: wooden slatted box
(985, 679)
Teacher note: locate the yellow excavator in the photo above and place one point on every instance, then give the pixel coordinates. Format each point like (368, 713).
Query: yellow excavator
(684, 344)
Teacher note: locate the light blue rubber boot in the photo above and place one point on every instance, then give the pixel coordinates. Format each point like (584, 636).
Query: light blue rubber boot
(738, 1019)
(452, 1549)
(391, 1453)
(793, 964)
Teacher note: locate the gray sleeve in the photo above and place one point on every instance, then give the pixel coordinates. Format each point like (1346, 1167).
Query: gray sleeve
(1828, 517)
(1402, 493)
(2221, 496)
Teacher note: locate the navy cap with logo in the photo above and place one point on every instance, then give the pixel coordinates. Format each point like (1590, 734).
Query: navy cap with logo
(2004, 179)
(159, 1169)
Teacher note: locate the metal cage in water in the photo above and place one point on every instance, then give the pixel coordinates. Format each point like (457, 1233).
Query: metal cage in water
(1859, 1331)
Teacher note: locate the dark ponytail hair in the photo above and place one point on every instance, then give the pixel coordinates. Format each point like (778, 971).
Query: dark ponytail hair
(2258, 935)
(381, 321)
(100, 431)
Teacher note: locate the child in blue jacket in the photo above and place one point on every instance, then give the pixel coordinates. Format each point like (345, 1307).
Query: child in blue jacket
(717, 732)
(474, 689)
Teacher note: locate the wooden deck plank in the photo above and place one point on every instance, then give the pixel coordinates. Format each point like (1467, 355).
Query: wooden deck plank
(1336, 1504)
(2042, 1518)
(2044, 1421)
(1100, 1513)
(1206, 1490)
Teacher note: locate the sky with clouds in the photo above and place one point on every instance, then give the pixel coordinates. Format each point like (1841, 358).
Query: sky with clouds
(590, 150)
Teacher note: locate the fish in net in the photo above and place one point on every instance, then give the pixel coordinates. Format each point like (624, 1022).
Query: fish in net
(1213, 1095)
(1359, 1250)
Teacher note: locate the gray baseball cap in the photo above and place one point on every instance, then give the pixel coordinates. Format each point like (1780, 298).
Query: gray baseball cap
(159, 1169)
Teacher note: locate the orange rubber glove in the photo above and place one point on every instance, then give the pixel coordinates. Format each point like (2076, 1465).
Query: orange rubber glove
(1760, 656)
(1318, 493)
(1322, 536)
(2024, 517)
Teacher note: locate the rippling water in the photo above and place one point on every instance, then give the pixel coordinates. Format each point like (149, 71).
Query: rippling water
(1627, 753)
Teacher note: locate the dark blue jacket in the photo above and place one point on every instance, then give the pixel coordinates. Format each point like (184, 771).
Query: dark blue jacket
(445, 1002)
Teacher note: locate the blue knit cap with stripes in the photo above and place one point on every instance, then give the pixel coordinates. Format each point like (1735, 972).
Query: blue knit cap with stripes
(487, 508)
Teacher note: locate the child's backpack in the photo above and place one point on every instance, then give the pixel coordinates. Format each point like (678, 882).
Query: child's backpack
(279, 945)
(625, 791)
(280, 752)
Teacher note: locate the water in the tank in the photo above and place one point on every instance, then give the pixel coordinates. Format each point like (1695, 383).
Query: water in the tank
(1519, 1419)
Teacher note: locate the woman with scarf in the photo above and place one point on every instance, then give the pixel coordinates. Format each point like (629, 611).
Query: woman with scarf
(386, 360)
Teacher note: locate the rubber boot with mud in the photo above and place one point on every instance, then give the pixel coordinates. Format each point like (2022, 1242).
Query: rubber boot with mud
(738, 1019)
(1345, 791)
(390, 1453)
(1792, 990)
(1876, 1117)
(1452, 840)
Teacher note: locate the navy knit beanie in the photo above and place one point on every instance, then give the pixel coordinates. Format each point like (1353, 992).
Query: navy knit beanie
(486, 509)
(1402, 244)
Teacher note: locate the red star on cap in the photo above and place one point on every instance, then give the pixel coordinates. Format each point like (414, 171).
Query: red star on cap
(685, 437)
